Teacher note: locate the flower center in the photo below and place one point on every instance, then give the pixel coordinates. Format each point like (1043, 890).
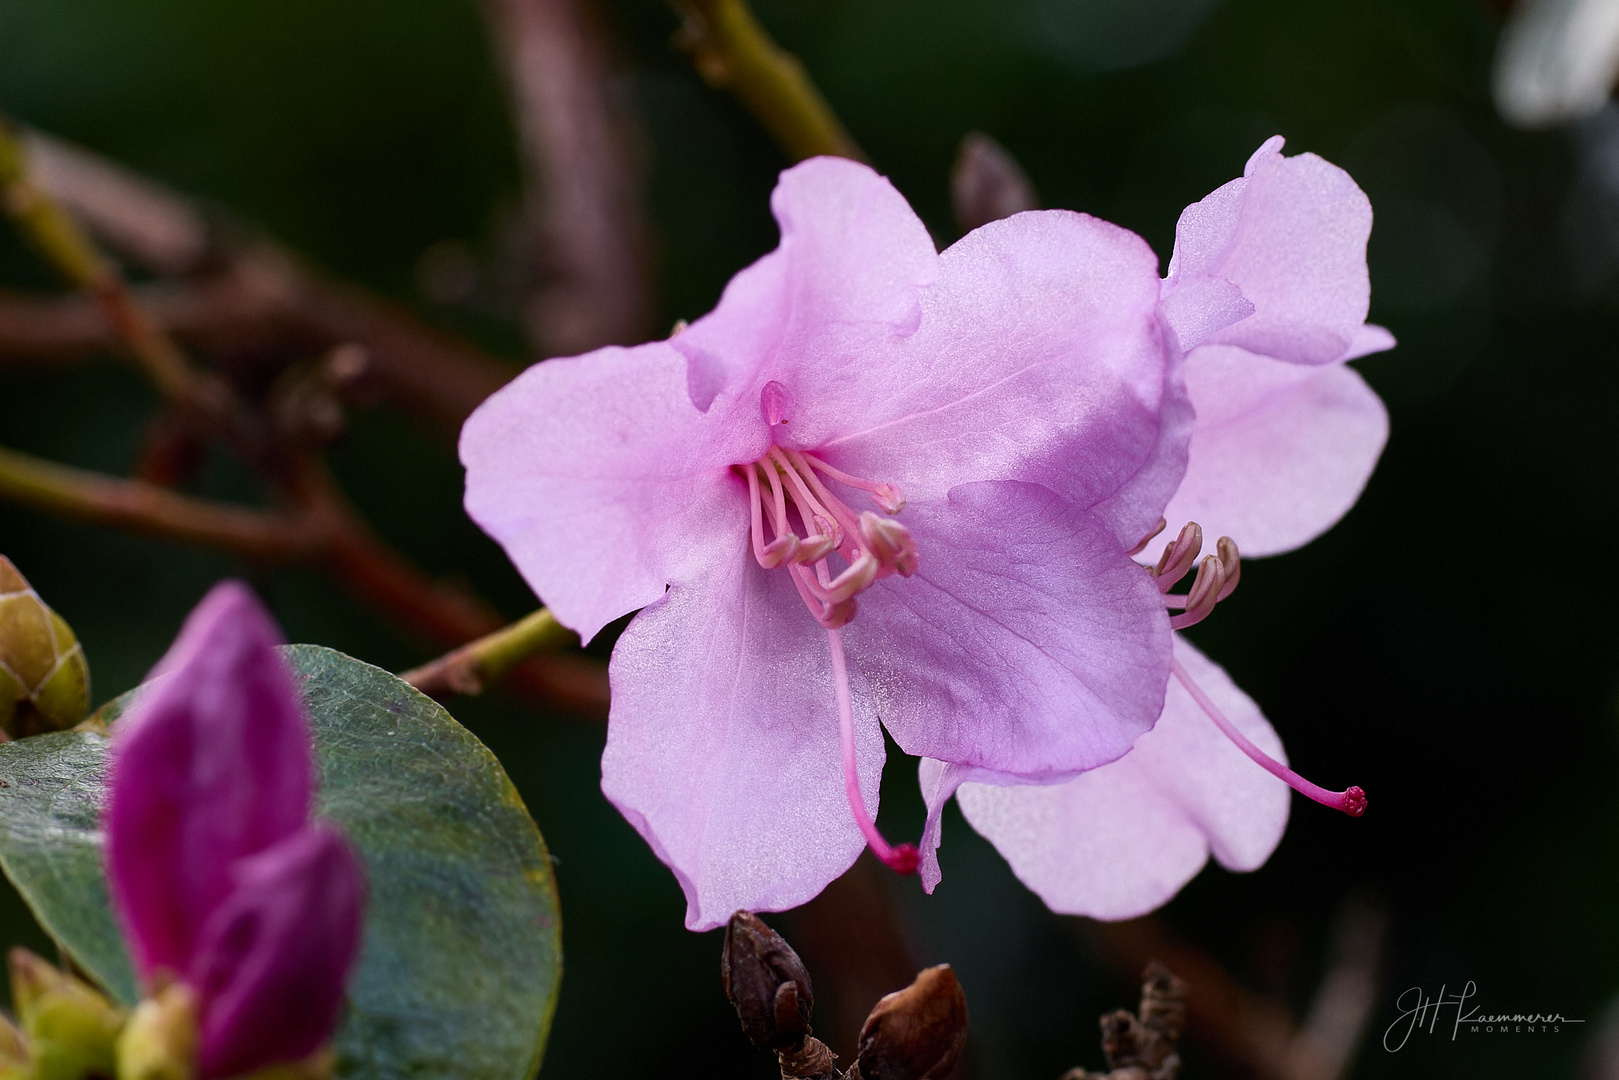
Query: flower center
(798, 524)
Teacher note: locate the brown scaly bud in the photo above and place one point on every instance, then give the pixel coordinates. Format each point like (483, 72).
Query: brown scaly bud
(1163, 1004)
(916, 1033)
(44, 680)
(767, 984)
(1144, 1046)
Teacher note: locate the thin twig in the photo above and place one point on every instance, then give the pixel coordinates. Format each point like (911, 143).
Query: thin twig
(320, 529)
(243, 294)
(74, 256)
(733, 52)
(255, 535)
(473, 666)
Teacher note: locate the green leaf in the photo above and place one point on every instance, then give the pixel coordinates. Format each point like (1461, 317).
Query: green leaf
(463, 941)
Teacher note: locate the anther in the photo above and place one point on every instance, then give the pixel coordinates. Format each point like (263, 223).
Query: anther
(1230, 563)
(889, 498)
(1178, 557)
(1204, 594)
(783, 549)
(1145, 540)
(812, 549)
(889, 542)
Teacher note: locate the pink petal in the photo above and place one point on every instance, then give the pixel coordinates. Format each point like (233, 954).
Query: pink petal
(723, 747)
(846, 279)
(1291, 234)
(273, 959)
(1120, 840)
(211, 764)
(1026, 642)
(1279, 452)
(602, 481)
(1039, 358)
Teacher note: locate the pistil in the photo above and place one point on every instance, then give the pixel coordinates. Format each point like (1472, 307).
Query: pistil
(1351, 801)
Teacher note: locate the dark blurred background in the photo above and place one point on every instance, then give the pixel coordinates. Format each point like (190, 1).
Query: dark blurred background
(1447, 646)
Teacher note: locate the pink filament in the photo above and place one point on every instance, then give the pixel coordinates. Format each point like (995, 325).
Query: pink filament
(903, 858)
(1351, 801)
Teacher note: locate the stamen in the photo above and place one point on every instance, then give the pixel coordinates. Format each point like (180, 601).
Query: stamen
(1205, 593)
(841, 513)
(888, 497)
(889, 542)
(1178, 557)
(1351, 801)
(903, 858)
(809, 508)
(1231, 563)
(783, 547)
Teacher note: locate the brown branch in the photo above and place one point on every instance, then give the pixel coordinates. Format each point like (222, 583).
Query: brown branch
(320, 529)
(139, 507)
(585, 229)
(241, 295)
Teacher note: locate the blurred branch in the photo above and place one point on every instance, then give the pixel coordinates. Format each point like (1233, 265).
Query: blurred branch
(731, 51)
(585, 230)
(255, 535)
(320, 528)
(470, 668)
(1255, 1032)
(240, 295)
(75, 257)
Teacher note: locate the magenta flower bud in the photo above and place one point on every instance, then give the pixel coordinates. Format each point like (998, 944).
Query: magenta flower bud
(272, 960)
(217, 874)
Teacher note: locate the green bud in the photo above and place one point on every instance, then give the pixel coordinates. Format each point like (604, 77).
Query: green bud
(44, 679)
(160, 1040)
(70, 1026)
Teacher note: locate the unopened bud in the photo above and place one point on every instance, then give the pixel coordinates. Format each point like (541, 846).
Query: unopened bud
(160, 1040)
(987, 184)
(70, 1027)
(767, 984)
(916, 1033)
(44, 680)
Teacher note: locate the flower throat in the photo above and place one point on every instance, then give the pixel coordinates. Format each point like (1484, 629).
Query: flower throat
(797, 524)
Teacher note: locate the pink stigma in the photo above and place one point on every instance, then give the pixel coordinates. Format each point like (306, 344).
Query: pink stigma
(1351, 801)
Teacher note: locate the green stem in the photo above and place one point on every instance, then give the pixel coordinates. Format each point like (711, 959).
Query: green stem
(732, 51)
(470, 668)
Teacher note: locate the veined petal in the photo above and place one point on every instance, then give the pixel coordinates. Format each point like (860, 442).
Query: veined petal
(1120, 840)
(273, 959)
(1279, 451)
(1040, 358)
(845, 280)
(723, 748)
(1026, 642)
(603, 482)
(1291, 234)
(211, 764)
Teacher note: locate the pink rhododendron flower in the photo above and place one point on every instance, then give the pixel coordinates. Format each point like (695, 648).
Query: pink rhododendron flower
(877, 484)
(1284, 440)
(219, 877)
